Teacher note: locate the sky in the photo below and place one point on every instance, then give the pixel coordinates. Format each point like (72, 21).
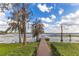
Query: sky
(52, 16)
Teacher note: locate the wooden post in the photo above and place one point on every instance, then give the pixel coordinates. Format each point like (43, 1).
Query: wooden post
(70, 37)
(61, 33)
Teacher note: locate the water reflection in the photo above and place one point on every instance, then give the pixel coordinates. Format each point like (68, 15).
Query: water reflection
(14, 38)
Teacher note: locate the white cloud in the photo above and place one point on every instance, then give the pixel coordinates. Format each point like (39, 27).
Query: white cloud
(74, 4)
(44, 8)
(3, 22)
(50, 28)
(2, 18)
(72, 18)
(77, 13)
(53, 16)
(53, 29)
(71, 15)
(70, 22)
(61, 11)
(3, 25)
(48, 19)
(46, 25)
(1, 13)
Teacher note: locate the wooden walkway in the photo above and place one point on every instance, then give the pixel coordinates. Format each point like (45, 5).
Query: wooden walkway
(43, 49)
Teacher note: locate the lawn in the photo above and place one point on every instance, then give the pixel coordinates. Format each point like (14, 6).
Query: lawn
(65, 49)
(18, 50)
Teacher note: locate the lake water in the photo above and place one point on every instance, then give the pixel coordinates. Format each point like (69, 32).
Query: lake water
(14, 38)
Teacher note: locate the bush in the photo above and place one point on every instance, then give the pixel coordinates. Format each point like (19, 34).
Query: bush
(47, 39)
(39, 40)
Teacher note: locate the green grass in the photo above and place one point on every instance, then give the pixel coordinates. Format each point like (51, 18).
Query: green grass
(17, 49)
(65, 49)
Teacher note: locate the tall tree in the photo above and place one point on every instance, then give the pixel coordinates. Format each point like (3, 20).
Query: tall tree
(37, 28)
(19, 12)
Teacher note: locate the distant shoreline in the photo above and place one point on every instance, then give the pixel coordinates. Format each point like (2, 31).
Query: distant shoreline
(44, 33)
(2, 32)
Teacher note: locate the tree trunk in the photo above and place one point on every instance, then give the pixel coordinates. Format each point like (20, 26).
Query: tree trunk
(24, 32)
(24, 25)
(37, 38)
(19, 33)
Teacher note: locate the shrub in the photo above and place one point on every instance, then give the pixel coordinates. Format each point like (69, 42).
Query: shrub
(47, 39)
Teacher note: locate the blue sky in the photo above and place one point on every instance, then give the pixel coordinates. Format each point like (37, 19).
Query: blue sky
(53, 14)
(68, 8)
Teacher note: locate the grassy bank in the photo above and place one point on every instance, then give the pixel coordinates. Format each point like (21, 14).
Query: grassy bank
(18, 50)
(65, 49)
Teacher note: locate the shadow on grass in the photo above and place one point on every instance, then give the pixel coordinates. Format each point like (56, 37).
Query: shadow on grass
(35, 52)
(54, 51)
(36, 48)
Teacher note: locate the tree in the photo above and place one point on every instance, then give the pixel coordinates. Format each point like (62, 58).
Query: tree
(13, 25)
(19, 12)
(37, 28)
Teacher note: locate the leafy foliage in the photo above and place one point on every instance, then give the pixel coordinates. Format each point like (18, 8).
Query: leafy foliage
(19, 12)
(37, 28)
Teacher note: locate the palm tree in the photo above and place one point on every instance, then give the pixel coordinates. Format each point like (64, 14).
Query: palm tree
(22, 24)
(20, 14)
(12, 26)
(37, 29)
